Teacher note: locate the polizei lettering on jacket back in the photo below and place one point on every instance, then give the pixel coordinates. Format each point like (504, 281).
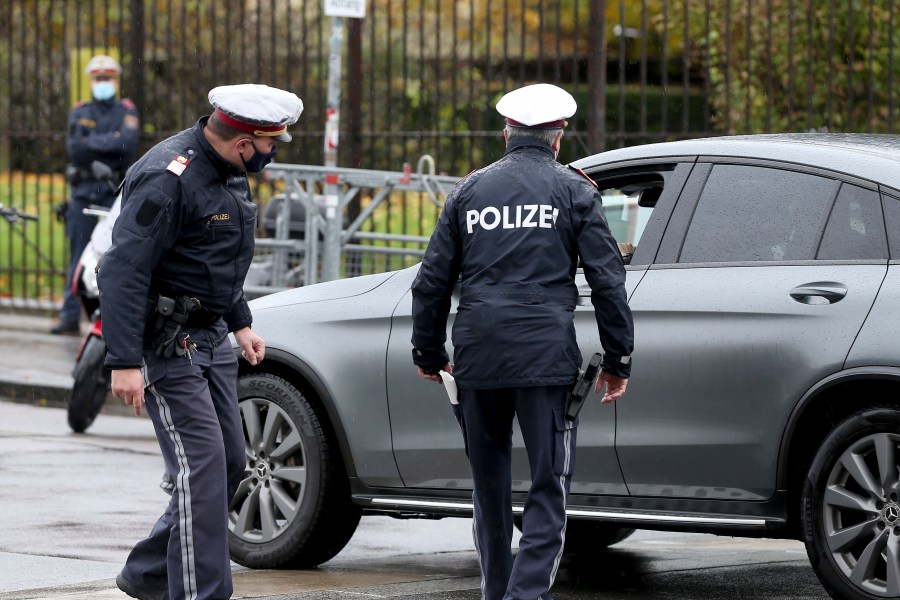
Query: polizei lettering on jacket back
(512, 217)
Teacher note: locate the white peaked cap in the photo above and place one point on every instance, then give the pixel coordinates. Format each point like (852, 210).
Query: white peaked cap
(103, 65)
(540, 105)
(257, 109)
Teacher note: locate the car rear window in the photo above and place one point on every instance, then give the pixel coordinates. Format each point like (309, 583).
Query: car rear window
(892, 219)
(855, 228)
(748, 213)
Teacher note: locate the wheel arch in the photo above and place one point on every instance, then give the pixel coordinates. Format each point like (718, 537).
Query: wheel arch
(300, 374)
(824, 405)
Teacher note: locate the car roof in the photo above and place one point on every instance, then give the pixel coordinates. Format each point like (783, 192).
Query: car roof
(874, 157)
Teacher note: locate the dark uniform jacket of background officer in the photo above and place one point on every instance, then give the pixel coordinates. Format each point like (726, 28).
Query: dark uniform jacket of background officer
(107, 131)
(512, 232)
(177, 234)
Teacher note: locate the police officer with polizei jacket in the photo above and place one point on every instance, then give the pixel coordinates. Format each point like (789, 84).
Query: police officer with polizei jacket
(102, 143)
(171, 289)
(511, 236)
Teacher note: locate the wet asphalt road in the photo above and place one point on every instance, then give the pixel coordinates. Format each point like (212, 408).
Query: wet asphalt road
(72, 505)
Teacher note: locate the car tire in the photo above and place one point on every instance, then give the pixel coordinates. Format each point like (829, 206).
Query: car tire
(293, 508)
(851, 508)
(90, 385)
(585, 537)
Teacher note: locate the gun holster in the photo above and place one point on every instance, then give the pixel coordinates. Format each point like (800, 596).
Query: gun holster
(169, 317)
(582, 387)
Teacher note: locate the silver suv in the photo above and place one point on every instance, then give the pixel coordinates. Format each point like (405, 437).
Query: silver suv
(764, 401)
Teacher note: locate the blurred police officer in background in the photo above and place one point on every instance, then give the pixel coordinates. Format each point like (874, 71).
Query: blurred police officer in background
(104, 130)
(512, 233)
(171, 288)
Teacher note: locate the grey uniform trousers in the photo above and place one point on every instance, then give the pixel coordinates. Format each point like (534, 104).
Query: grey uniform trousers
(485, 417)
(195, 413)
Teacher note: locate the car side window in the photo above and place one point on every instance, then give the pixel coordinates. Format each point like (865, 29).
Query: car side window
(855, 228)
(628, 203)
(892, 220)
(626, 218)
(753, 214)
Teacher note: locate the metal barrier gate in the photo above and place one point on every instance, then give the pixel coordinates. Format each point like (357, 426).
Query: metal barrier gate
(325, 234)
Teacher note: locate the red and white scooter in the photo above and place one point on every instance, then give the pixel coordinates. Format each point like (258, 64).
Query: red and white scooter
(91, 379)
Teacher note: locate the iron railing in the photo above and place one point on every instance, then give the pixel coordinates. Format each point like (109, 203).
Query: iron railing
(423, 78)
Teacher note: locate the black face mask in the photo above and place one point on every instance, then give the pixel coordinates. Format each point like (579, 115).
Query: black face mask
(259, 160)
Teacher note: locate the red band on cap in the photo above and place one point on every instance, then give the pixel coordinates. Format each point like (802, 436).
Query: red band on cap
(261, 130)
(548, 125)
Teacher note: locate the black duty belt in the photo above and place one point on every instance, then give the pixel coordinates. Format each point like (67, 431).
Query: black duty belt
(202, 318)
(198, 317)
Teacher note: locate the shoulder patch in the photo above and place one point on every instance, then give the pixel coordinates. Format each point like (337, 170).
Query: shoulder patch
(464, 178)
(127, 103)
(131, 122)
(585, 175)
(178, 165)
(79, 104)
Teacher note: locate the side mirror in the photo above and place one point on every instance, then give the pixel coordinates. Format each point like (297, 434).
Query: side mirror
(649, 197)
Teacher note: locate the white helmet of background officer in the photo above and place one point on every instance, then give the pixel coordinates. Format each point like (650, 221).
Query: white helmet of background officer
(104, 72)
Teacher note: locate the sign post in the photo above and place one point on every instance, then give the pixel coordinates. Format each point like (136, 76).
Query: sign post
(337, 10)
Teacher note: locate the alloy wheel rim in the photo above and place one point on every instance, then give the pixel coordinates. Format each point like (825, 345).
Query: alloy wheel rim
(274, 483)
(861, 514)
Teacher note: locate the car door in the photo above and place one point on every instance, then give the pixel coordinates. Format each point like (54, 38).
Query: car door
(637, 199)
(427, 442)
(746, 306)
(428, 446)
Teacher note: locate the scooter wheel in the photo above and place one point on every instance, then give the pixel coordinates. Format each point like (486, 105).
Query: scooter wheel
(90, 386)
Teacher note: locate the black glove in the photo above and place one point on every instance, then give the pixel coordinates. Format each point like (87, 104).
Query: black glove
(172, 315)
(167, 342)
(430, 361)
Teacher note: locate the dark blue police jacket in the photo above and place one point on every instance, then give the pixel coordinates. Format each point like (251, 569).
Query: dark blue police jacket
(107, 131)
(186, 227)
(512, 234)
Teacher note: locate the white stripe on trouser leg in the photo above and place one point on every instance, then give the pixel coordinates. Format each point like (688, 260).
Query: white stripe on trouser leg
(185, 528)
(478, 549)
(567, 442)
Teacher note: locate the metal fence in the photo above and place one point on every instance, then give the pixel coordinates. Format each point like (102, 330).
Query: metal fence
(423, 77)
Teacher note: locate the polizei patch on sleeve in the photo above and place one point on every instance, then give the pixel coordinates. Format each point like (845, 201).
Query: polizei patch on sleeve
(178, 165)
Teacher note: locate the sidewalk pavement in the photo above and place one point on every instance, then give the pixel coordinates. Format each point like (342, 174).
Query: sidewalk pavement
(36, 367)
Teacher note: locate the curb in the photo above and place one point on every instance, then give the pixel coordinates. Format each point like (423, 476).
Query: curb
(35, 394)
(54, 397)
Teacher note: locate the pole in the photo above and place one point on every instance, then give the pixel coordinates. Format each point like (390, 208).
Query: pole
(331, 257)
(597, 77)
(136, 68)
(354, 97)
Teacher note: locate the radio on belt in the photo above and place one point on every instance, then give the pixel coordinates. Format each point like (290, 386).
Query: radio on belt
(582, 387)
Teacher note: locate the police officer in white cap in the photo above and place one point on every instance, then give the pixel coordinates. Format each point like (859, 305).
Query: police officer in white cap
(104, 130)
(512, 235)
(171, 291)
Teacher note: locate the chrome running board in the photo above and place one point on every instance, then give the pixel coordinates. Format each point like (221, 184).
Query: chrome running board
(409, 504)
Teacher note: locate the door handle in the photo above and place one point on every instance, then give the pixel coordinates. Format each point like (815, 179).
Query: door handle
(822, 292)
